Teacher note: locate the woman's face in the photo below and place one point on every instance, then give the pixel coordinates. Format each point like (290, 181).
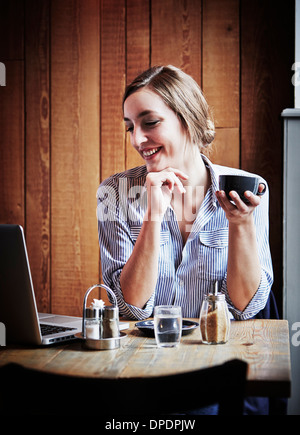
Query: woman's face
(155, 131)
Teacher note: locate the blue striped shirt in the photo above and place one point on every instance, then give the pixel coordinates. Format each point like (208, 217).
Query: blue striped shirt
(185, 272)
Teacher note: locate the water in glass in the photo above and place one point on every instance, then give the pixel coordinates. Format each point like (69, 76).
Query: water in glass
(167, 327)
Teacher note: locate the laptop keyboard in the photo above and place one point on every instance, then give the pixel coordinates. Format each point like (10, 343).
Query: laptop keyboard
(53, 329)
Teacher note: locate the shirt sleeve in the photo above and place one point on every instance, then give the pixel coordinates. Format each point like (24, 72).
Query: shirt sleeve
(259, 300)
(116, 245)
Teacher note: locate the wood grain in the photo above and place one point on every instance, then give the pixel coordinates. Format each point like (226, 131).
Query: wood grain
(263, 344)
(221, 69)
(12, 210)
(38, 149)
(176, 35)
(12, 30)
(225, 148)
(74, 151)
(112, 87)
(266, 90)
(137, 57)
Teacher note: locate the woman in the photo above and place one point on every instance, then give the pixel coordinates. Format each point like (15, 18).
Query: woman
(166, 232)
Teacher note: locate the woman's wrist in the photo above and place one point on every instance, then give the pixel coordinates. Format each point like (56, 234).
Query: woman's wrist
(153, 216)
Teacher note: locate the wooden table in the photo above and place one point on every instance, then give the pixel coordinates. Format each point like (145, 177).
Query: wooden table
(263, 344)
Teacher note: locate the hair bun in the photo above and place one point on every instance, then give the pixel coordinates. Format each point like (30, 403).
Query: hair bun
(209, 133)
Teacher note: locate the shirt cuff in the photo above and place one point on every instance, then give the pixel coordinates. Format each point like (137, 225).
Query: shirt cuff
(128, 310)
(256, 304)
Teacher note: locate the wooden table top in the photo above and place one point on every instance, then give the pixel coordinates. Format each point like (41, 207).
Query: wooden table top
(263, 344)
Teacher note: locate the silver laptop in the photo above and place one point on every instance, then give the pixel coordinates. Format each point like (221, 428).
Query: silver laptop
(18, 311)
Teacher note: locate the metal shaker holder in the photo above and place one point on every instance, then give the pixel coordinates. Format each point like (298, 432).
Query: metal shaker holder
(109, 332)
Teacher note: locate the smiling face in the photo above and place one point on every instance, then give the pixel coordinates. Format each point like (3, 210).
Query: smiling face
(155, 131)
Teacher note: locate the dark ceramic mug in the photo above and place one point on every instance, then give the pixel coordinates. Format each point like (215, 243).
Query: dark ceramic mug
(240, 183)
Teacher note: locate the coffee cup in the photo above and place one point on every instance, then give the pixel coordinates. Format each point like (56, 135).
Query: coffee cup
(240, 184)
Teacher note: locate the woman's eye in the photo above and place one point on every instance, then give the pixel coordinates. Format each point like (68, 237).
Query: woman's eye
(151, 123)
(146, 124)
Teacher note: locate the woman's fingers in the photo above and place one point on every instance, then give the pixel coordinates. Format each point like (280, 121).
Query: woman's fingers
(254, 200)
(169, 177)
(176, 176)
(237, 211)
(177, 172)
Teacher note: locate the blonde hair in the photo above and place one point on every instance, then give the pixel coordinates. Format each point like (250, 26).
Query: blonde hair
(183, 95)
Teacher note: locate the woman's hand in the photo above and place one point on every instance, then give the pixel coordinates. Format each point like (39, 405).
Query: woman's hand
(160, 188)
(239, 212)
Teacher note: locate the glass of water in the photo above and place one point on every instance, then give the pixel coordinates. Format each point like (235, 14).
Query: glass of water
(167, 325)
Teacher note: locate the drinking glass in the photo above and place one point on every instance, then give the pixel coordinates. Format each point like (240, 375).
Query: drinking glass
(167, 325)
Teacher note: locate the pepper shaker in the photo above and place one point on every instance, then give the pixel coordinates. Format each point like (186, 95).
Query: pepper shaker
(92, 323)
(110, 322)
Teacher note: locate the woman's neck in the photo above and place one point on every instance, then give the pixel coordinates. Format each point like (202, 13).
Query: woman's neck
(198, 173)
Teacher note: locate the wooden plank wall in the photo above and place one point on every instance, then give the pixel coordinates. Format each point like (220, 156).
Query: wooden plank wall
(67, 63)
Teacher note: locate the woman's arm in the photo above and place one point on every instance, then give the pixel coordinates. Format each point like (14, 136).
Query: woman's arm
(243, 269)
(139, 275)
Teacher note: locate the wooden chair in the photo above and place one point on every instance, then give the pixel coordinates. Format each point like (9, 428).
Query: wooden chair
(33, 392)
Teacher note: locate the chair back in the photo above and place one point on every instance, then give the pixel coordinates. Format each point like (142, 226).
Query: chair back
(31, 392)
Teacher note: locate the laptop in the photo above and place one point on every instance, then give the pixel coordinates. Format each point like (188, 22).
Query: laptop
(18, 310)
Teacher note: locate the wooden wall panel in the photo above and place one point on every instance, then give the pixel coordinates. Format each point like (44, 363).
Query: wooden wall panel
(12, 195)
(113, 80)
(225, 149)
(137, 56)
(37, 137)
(267, 46)
(12, 209)
(137, 37)
(176, 35)
(12, 30)
(74, 151)
(221, 58)
(221, 76)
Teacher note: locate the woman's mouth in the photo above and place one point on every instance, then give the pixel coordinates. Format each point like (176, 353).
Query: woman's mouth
(147, 154)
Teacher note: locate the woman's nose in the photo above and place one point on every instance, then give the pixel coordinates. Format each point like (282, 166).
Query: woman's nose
(138, 137)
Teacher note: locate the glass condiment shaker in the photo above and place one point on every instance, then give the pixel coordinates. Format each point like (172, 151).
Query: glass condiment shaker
(214, 319)
(92, 323)
(110, 322)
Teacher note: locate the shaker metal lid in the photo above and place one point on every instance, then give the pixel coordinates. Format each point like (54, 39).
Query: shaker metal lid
(215, 296)
(111, 313)
(92, 313)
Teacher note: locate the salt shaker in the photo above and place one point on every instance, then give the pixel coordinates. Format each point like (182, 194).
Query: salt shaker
(92, 323)
(214, 319)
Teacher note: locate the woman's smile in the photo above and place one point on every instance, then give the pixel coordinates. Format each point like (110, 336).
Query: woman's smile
(150, 153)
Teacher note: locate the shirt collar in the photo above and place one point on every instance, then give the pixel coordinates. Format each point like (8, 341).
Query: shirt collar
(214, 175)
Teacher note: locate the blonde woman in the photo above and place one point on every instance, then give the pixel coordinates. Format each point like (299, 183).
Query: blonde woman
(166, 232)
